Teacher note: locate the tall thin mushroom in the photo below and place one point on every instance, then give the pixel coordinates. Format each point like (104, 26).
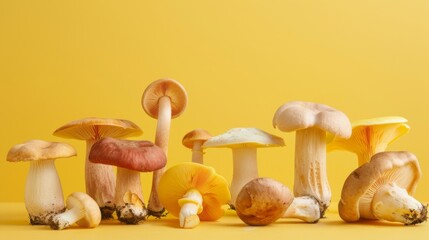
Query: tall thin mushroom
(99, 178)
(163, 99)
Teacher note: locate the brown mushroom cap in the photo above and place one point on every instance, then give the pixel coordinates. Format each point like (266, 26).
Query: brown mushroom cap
(198, 134)
(142, 156)
(96, 128)
(400, 168)
(160, 88)
(39, 150)
(297, 115)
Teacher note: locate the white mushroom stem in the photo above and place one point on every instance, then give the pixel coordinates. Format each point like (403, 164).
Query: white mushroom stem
(100, 183)
(304, 208)
(245, 169)
(161, 140)
(67, 218)
(190, 206)
(43, 192)
(197, 152)
(310, 166)
(392, 203)
(127, 181)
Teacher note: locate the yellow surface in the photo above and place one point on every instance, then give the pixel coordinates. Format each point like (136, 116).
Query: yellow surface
(14, 223)
(238, 60)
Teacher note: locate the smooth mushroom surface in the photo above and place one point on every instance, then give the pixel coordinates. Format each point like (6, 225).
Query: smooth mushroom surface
(311, 121)
(243, 143)
(306, 208)
(262, 201)
(43, 191)
(382, 189)
(370, 136)
(163, 99)
(99, 178)
(193, 192)
(131, 157)
(194, 141)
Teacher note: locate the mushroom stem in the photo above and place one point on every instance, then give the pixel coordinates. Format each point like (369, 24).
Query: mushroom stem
(310, 166)
(305, 208)
(100, 183)
(190, 206)
(245, 169)
(43, 192)
(67, 218)
(393, 203)
(161, 140)
(128, 181)
(197, 152)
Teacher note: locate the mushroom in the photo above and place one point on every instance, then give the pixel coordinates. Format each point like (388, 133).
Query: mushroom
(306, 208)
(311, 121)
(43, 191)
(382, 189)
(99, 178)
(370, 136)
(194, 140)
(243, 142)
(81, 209)
(131, 158)
(262, 201)
(192, 191)
(163, 99)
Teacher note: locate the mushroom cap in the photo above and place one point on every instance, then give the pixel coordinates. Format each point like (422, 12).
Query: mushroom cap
(83, 201)
(382, 129)
(160, 88)
(183, 177)
(142, 156)
(293, 116)
(399, 168)
(244, 137)
(198, 134)
(39, 150)
(96, 128)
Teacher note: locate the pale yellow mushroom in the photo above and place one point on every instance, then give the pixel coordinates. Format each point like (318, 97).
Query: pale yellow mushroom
(194, 141)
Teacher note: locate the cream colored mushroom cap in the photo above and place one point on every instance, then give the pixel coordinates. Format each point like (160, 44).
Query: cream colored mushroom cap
(96, 128)
(297, 115)
(39, 150)
(244, 137)
(198, 134)
(92, 216)
(160, 88)
(399, 168)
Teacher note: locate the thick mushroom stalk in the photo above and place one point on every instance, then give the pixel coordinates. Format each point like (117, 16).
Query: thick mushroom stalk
(305, 208)
(310, 166)
(190, 207)
(245, 169)
(392, 203)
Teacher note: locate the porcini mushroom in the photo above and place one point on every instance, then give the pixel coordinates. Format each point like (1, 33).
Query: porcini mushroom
(382, 189)
(43, 191)
(81, 209)
(193, 192)
(131, 158)
(164, 100)
(194, 140)
(370, 136)
(99, 178)
(243, 142)
(311, 121)
(262, 201)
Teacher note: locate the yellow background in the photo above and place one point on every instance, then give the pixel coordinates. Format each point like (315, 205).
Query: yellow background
(238, 60)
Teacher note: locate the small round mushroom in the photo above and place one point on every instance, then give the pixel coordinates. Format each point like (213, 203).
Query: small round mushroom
(194, 140)
(382, 189)
(311, 121)
(99, 178)
(192, 191)
(43, 191)
(81, 209)
(131, 158)
(306, 208)
(262, 201)
(163, 99)
(370, 136)
(244, 143)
